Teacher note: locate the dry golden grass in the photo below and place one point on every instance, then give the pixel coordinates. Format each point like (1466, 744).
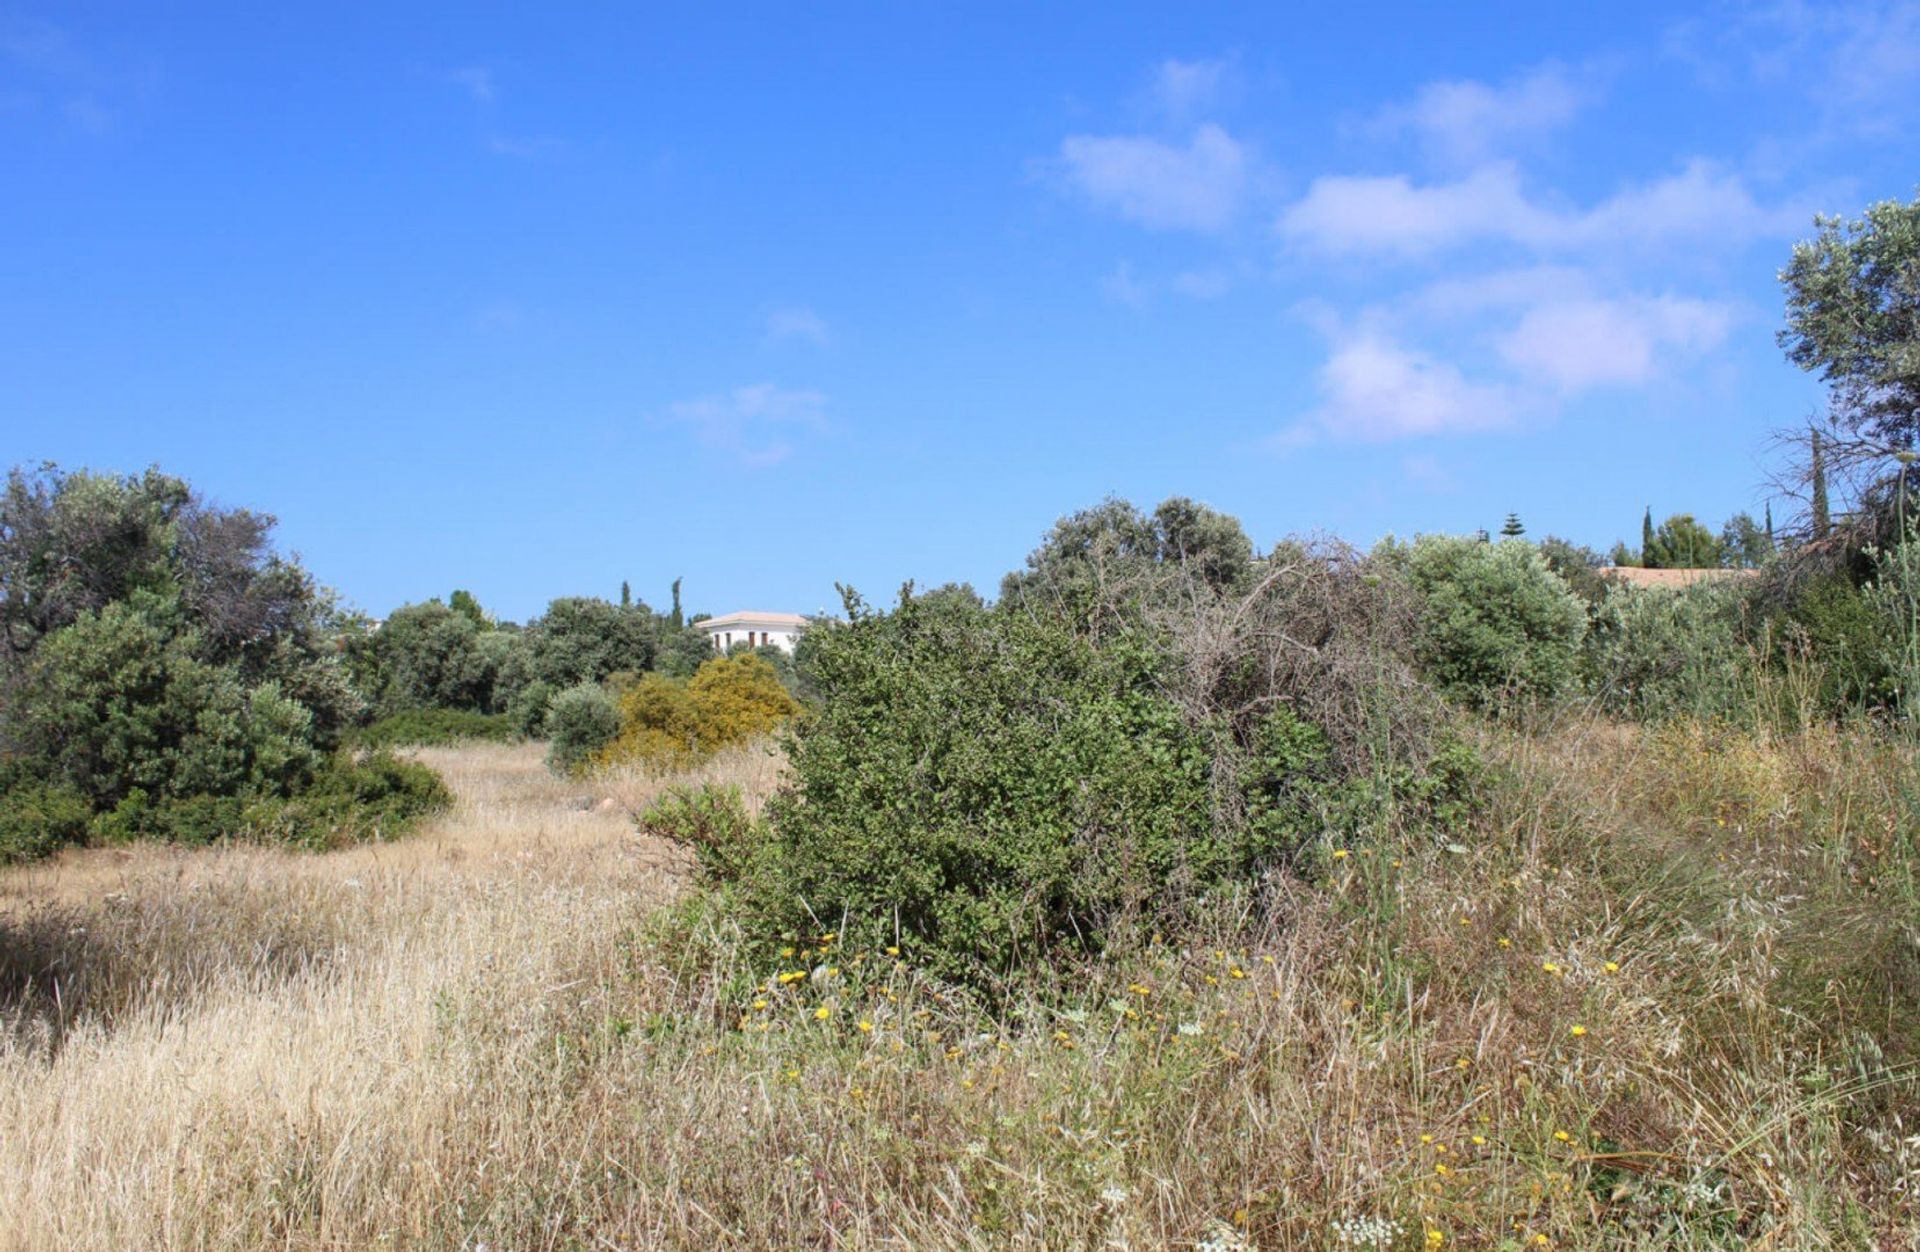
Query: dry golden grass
(516, 1031)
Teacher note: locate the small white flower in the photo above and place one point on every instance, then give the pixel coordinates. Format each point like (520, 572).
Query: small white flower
(1192, 1028)
(1114, 1196)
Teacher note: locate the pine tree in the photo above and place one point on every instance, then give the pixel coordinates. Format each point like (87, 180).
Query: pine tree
(1513, 529)
(1647, 555)
(1822, 521)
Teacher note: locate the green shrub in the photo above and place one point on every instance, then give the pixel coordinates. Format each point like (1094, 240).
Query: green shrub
(713, 822)
(436, 727)
(1853, 641)
(1496, 621)
(580, 722)
(1001, 790)
(375, 797)
(1656, 653)
(350, 800)
(36, 818)
(528, 711)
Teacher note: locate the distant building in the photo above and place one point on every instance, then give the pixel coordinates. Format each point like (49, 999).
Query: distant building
(755, 630)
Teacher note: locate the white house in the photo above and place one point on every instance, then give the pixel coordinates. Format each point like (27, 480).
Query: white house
(757, 630)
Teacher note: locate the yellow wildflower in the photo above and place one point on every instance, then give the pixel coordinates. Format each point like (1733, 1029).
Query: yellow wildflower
(1578, 1032)
(1563, 1136)
(1550, 967)
(866, 1027)
(1339, 854)
(822, 1013)
(1613, 967)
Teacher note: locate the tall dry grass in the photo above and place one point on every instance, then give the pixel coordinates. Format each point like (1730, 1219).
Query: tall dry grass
(517, 1031)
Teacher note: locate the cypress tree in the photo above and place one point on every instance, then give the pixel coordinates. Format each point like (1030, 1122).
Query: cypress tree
(1822, 521)
(1647, 557)
(1770, 543)
(626, 594)
(677, 620)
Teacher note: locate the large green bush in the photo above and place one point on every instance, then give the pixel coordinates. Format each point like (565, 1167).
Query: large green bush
(1496, 622)
(165, 671)
(1660, 652)
(581, 721)
(998, 788)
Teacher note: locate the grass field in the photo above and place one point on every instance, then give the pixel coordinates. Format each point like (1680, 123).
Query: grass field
(1664, 994)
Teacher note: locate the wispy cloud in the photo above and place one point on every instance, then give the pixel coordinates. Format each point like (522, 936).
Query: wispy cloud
(53, 75)
(476, 81)
(1578, 344)
(1467, 122)
(797, 323)
(1392, 215)
(1200, 185)
(1182, 90)
(756, 424)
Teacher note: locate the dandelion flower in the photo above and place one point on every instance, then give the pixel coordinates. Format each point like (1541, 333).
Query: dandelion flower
(822, 1013)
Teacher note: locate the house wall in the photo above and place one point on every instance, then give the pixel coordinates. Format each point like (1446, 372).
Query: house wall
(757, 637)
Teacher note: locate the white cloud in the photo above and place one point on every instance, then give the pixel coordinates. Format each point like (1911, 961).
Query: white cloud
(1344, 213)
(797, 323)
(1466, 121)
(753, 423)
(1200, 186)
(476, 81)
(1182, 89)
(1392, 215)
(1373, 389)
(1576, 344)
(1209, 284)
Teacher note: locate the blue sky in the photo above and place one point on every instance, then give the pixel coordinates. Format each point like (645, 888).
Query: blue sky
(531, 300)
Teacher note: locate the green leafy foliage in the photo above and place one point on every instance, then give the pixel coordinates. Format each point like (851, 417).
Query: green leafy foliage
(37, 817)
(1656, 653)
(713, 821)
(1853, 318)
(1496, 623)
(581, 721)
(1001, 788)
(584, 640)
(436, 727)
(163, 669)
